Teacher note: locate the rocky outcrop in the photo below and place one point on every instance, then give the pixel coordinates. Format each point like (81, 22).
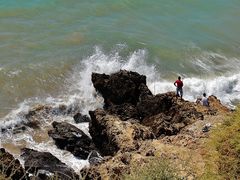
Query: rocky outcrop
(110, 134)
(132, 116)
(121, 87)
(127, 96)
(39, 114)
(133, 126)
(71, 138)
(44, 165)
(11, 167)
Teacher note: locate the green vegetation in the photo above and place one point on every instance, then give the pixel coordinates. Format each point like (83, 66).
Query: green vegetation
(156, 169)
(223, 150)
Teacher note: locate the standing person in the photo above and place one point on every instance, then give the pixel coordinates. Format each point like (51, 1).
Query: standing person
(179, 84)
(204, 100)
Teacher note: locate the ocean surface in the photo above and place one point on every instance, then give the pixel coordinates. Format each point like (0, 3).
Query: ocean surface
(49, 48)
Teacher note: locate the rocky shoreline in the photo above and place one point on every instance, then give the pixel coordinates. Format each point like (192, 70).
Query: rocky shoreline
(133, 126)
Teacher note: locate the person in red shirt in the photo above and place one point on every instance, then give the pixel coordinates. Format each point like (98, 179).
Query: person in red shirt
(179, 84)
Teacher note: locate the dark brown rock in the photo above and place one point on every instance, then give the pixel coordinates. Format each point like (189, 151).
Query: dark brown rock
(71, 138)
(216, 105)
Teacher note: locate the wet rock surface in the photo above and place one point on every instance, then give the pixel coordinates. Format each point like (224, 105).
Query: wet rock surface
(71, 138)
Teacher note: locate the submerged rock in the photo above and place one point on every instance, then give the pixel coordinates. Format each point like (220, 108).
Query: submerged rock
(45, 164)
(71, 138)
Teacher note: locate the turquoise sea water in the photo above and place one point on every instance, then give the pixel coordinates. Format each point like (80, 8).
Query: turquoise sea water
(43, 41)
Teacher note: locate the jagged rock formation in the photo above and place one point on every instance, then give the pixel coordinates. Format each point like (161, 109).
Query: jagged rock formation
(163, 113)
(130, 106)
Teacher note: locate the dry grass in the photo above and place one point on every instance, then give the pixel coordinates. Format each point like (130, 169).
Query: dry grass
(223, 150)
